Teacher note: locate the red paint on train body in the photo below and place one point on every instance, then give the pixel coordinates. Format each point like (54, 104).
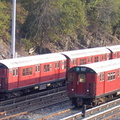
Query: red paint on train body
(42, 71)
(90, 83)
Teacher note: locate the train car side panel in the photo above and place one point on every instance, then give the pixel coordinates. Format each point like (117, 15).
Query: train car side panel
(13, 78)
(112, 81)
(53, 71)
(27, 76)
(47, 73)
(81, 83)
(115, 51)
(91, 84)
(100, 83)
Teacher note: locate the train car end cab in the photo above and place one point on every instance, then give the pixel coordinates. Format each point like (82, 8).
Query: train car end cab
(81, 84)
(3, 77)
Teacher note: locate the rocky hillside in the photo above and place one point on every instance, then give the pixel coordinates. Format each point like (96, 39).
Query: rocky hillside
(87, 42)
(45, 26)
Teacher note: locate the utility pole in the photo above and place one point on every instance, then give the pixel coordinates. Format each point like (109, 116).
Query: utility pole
(13, 28)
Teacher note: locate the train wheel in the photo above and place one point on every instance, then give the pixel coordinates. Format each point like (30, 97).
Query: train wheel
(94, 104)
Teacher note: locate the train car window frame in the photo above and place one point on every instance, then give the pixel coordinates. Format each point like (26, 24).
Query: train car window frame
(27, 71)
(96, 59)
(115, 54)
(81, 78)
(64, 64)
(15, 72)
(74, 61)
(83, 61)
(48, 68)
(70, 78)
(109, 56)
(37, 68)
(4, 72)
(104, 57)
(102, 77)
(90, 59)
(111, 76)
(57, 65)
(118, 72)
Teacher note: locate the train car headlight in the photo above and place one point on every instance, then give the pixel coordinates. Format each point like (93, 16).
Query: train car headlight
(72, 89)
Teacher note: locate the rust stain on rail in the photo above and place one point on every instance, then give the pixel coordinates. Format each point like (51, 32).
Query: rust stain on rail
(54, 114)
(11, 116)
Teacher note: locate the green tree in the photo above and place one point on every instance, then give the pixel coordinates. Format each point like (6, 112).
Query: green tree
(4, 21)
(104, 15)
(27, 4)
(71, 15)
(51, 19)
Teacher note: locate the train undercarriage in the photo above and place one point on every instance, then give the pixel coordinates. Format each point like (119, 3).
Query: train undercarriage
(93, 101)
(31, 89)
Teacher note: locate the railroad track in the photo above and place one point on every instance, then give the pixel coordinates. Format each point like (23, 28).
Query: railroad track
(27, 97)
(10, 109)
(105, 111)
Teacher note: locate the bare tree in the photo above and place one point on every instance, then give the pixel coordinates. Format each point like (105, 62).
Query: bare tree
(44, 14)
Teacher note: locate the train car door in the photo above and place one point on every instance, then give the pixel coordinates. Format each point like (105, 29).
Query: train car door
(37, 73)
(76, 83)
(57, 70)
(13, 78)
(80, 83)
(70, 83)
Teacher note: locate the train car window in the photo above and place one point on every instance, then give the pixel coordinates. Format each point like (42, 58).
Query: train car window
(64, 65)
(82, 61)
(47, 68)
(27, 71)
(3, 71)
(118, 72)
(96, 59)
(104, 57)
(50, 67)
(90, 59)
(111, 76)
(74, 61)
(15, 72)
(81, 78)
(37, 68)
(109, 55)
(70, 77)
(102, 77)
(115, 55)
(57, 65)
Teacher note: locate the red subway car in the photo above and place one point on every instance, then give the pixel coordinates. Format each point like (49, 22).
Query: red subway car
(115, 51)
(23, 74)
(38, 71)
(93, 83)
(86, 56)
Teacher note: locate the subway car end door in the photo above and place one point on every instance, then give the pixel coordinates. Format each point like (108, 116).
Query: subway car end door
(76, 82)
(80, 84)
